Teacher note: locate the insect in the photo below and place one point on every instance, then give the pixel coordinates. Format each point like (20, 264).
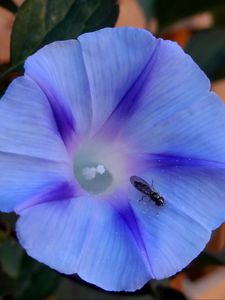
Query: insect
(148, 190)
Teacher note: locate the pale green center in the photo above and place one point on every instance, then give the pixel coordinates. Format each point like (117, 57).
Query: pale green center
(92, 176)
(98, 167)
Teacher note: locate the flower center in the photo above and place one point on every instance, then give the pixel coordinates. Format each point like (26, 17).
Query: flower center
(99, 167)
(93, 177)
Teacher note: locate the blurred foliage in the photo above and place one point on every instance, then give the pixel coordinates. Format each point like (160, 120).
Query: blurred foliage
(169, 11)
(168, 293)
(9, 5)
(209, 259)
(207, 48)
(10, 257)
(219, 15)
(27, 279)
(148, 7)
(39, 22)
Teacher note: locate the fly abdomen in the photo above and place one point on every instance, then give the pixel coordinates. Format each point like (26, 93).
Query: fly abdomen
(159, 200)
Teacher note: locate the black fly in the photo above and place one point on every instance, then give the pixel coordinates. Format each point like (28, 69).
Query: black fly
(142, 186)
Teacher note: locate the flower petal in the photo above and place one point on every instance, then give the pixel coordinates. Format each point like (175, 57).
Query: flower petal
(87, 77)
(197, 191)
(27, 123)
(172, 83)
(194, 206)
(23, 178)
(58, 69)
(111, 73)
(192, 185)
(84, 236)
(172, 239)
(32, 154)
(197, 132)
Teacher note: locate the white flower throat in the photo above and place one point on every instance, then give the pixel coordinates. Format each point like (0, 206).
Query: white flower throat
(99, 167)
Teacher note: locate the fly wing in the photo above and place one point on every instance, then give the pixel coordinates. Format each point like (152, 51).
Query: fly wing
(138, 179)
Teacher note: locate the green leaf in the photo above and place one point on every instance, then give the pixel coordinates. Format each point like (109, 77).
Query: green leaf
(9, 5)
(169, 11)
(40, 285)
(9, 219)
(7, 225)
(207, 49)
(219, 16)
(43, 21)
(71, 289)
(10, 257)
(3, 235)
(208, 259)
(148, 7)
(166, 293)
(7, 285)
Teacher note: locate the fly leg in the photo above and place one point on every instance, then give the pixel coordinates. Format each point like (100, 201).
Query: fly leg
(142, 198)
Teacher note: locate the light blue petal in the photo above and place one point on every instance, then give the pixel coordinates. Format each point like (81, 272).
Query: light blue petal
(24, 178)
(172, 238)
(32, 154)
(197, 132)
(59, 70)
(27, 123)
(186, 166)
(172, 83)
(114, 59)
(84, 236)
(197, 191)
(89, 77)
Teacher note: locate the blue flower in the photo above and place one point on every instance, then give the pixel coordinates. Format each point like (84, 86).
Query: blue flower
(89, 114)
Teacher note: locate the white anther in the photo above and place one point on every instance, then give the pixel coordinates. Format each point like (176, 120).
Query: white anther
(89, 173)
(100, 169)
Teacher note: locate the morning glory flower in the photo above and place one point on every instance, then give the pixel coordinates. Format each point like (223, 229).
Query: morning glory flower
(89, 114)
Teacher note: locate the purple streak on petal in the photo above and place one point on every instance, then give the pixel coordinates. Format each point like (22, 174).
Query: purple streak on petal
(85, 236)
(111, 73)
(123, 208)
(63, 117)
(128, 104)
(148, 160)
(172, 238)
(60, 192)
(28, 126)
(195, 191)
(24, 176)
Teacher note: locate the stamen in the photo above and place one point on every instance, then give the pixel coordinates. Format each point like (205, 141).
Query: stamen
(89, 173)
(100, 169)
